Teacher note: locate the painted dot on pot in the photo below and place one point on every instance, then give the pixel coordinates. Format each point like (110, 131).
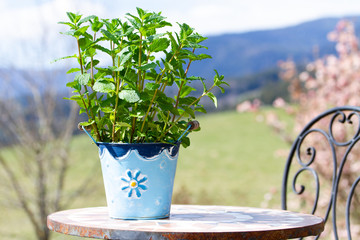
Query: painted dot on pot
(163, 164)
(133, 184)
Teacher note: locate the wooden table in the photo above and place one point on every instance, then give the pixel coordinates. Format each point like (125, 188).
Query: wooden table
(190, 222)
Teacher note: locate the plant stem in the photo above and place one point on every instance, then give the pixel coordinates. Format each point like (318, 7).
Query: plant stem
(152, 114)
(116, 105)
(158, 81)
(93, 116)
(139, 63)
(178, 119)
(144, 74)
(133, 126)
(90, 116)
(139, 85)
(115, 77)
(181, 85)
(92, 78)
(80, 57)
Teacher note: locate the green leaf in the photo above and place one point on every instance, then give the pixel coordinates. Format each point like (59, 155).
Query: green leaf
(152, 86)
(197, 38)
(213, 98)
(70, 33)
(200, 109)
(117, 69)
(85, 124)
(107, 109)
(74, 84)
(123, 56)
(187, 100)
(137, 114)
(94, 63)
(86, 19)
(168, 66)
(221, 89)
(162, 116)
(186, 90)
(218, 79)
(189, 111)
(131, 78)
(148, 66)
(166, 104)
(204, 85)
(81, 31)
(185, 142)
(110, 36)
(62, 58)
(155, 36)
(69, 24)
(163, 24)
(72, 70)
(73, 17)
(202, 56)
(74, 98)
(194, 45)
(103, 49)
(83, 79)
(158, 45)
(96, 25)
(141, 13)
(130, 96)
(102, 72)
(185, 31)
(135, 21)
(122, 124)
(82, 110)
(186, 54)
(154, 126)
(84, 43)
(174, 44)
(192, 78)
(78, 99)
(103, 86)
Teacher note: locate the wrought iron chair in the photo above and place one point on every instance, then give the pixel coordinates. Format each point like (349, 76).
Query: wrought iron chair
(327, 151)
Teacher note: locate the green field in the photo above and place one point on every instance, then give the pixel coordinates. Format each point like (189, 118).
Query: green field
(231, 161)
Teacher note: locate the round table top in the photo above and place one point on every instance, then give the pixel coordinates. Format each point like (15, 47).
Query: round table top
(190, 222)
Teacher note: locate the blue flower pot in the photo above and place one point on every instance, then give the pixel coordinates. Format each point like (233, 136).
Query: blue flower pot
(138, 178)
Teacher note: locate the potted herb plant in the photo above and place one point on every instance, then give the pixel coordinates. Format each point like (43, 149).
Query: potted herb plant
(127, 74)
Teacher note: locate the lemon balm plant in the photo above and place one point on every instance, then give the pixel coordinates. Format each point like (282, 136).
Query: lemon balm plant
(125, 70)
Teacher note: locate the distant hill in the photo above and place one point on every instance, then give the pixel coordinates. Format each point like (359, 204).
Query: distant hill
(247, 60)
(236, 55)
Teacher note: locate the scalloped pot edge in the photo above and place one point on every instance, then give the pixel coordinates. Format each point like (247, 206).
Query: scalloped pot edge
(166, 152)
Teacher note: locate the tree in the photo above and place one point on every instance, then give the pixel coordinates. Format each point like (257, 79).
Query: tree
(328, 82)
(36, 128)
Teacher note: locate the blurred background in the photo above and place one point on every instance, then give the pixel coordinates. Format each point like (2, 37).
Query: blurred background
(274, 54)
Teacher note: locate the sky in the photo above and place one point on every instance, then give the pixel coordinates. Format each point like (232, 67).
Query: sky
(28, 21)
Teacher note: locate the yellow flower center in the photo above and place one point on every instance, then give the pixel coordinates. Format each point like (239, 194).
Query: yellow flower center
(133, 184)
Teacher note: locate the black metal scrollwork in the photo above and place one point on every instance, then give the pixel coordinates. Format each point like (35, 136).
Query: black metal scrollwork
(342, 115)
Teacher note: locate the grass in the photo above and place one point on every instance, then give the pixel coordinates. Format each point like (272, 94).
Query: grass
(231, 161)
